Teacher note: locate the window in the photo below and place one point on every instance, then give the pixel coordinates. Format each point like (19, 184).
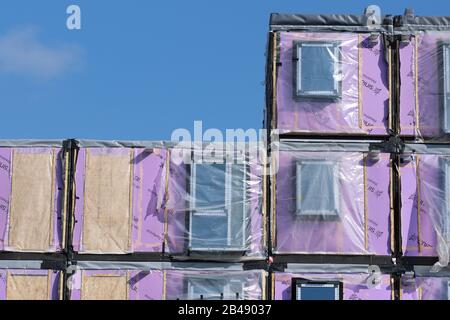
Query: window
(446, 82)
(215, 289)
(218, 210)
(317, 69)
(317, 189)
(317, 290)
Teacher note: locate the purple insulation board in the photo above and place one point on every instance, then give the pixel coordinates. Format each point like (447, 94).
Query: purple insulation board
(360, 223)
(424, 206)
(31, 196)
(422, 100)
(355, 286)
(171, 284)
(27, 284)
(139, 179)
(425, 288)
(362, 72)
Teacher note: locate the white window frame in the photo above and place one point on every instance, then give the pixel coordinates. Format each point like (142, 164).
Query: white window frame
(299, 93)
(446, 87)
(228, 208)
(227, 294)
(336, 190)
(299, 285)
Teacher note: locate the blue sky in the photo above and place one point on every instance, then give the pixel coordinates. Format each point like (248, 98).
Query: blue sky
(138, 69)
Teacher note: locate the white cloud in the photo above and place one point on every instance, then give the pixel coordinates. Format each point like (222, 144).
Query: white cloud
(23, 53)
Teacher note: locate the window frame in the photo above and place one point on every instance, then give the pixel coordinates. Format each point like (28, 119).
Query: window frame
(299, 282)
(226, 288)
(445, 48)
(227, 205)
(308, 214)
(297, 67)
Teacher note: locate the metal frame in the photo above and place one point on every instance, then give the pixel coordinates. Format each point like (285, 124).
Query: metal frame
(299, 283)
(298, 92)
(227, 204)
(336, 191)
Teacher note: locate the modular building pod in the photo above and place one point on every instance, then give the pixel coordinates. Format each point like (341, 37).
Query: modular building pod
(31, 196)
(330, 282)
(329, 74)
(421, 284)
(424, 55)
(157, 197)
(331, 198)
(25, 280)
(165, 281)
(425, 194)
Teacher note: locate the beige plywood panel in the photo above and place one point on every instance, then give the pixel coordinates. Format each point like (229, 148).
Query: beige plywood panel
(104, 288)
(30, 221)
(27, 287)
(107, 204)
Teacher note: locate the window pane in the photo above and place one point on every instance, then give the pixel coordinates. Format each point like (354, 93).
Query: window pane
(210, 186)
(215, 289)
(316, 68)
(209, 231)
(317, 187)
(317, 292)
(237, 218)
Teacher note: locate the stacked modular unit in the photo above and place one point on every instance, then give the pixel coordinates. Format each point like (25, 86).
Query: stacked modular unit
(32, 219)
(135, 203)
(319, 87)
(330, 101)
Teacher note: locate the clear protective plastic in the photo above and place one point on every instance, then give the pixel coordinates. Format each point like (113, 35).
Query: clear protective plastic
(349, 285)
(425, 191)
(425, 288)
(323, 189)
(166, 283)
(331, 83)
(425, 84)
(32, 198)
(179, 200)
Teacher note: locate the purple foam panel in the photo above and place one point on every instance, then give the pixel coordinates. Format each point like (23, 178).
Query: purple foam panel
(355, 285)
(425, 288)
(147, 197)
(419, 231)
(422, 78)
(364, 106)
(364, 196)
(53, 281)
(6, 172)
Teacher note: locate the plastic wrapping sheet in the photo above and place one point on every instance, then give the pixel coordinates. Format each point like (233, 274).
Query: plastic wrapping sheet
(356, 285)
(321, 190)
(425, 208)
(167, 200)
(425, 85)
(215, 204)
(425, 288)
(171, 283)
(332, 83)
(31, 199)
(28, 284)
(119, 200)
(425, 284)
